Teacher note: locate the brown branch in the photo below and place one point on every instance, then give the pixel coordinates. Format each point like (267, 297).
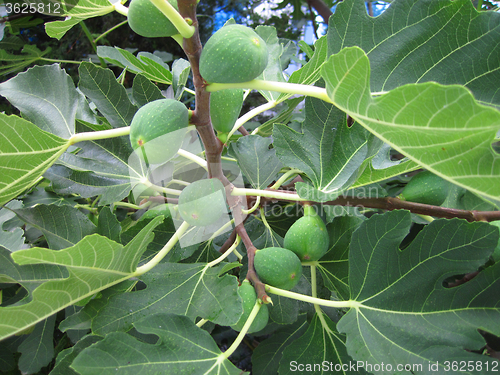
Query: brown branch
(201, 115)
(213, 146)
(243, 131)
(228, 242)
(390, 204)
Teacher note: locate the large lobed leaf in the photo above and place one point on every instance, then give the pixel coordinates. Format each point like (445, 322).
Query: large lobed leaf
(405, 313)
(414, 41)
(182, 348)
(95, 263)
(442, 128)
(193, 290)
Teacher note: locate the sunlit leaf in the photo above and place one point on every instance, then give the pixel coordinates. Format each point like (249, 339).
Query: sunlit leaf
(94, 264)
(420, 41)
(442, 128)
(26, 152)
(76, 11)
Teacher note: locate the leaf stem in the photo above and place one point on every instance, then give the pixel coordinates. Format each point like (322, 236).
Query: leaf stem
(255, 206)
(201, 322)
(243, 331)
(102, 134)
(268, 194)
(226, 253)
(285, 177)
(120, 8)
(314, 300)
(194, 158)
(133, 206)
(185, 29)
(60, 61)
(160, 189)
(92, 42)
(314, 291)
(284, 87)
(110, 30)
(264, 220)
(251, 114)
(163, 252)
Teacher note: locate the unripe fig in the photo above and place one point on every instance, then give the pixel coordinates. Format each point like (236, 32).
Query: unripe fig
(145, 19)
(225, 107)
(308, 238)
(202, 202)
(158, 129)
(278, 267)
(249, 297)
(234, 54)
(427, 188)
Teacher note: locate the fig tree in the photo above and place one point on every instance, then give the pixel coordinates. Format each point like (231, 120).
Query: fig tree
(234, 54)
(225, 107)
(158, 129)
(278, 267)
(202, 202)
(249, 297)
(145, 19)
(308, 237)
(427, 188)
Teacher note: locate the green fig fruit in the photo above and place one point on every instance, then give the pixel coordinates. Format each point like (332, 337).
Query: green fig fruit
(145, 19)
(427, 188)
(278, 267)
(158, 129)
(225, 107)
(202, 202)
(308, 238)
(249, 297)
(235, 53)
